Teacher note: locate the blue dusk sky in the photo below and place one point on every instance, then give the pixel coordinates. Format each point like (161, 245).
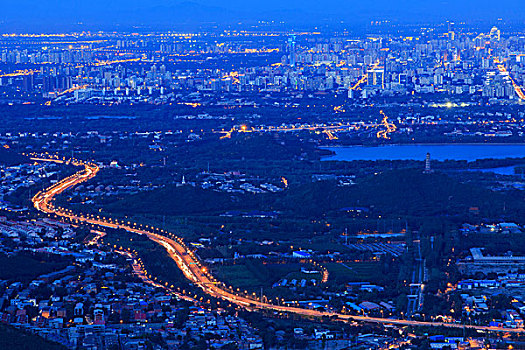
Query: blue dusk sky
(107, 14)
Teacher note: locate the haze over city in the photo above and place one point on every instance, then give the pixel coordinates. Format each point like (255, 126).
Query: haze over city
(31, 15)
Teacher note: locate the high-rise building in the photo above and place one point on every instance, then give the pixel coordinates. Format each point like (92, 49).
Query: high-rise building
(291, 46)
(451, 32)
(495, 34)
(48, 83)
(27, 82)
(376, 77)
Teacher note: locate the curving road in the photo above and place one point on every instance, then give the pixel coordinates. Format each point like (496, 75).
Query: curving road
(190, 264)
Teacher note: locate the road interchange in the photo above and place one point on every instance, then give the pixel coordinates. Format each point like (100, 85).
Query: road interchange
(191, 266)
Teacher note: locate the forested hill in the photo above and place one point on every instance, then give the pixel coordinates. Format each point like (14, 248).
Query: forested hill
(396, 193)
(406, 192)
(8, 157)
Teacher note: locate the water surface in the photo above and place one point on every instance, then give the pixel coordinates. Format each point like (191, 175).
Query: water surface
(468, 152)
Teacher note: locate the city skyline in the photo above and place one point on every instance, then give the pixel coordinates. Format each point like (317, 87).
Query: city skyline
(262, 176)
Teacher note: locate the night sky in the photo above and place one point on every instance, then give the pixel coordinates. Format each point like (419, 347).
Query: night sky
(107, 14)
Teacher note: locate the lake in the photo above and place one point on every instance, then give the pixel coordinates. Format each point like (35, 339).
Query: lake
(469, 152)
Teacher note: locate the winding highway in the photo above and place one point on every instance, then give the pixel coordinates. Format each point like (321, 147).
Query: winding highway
(190, 265)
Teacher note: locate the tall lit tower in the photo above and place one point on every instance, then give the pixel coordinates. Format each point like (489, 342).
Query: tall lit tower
(291, 45)
(428, 169)
(450, 30)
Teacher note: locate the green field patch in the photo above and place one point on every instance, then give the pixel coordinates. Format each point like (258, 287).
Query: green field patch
(252, 275)
(239, 276)
(359, 272)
